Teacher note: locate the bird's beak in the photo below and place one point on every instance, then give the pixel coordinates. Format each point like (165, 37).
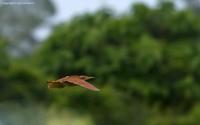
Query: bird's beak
(90, 77)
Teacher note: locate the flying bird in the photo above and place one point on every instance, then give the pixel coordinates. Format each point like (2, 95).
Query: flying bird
(73, 80)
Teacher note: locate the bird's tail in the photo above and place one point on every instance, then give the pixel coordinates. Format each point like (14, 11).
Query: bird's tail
(54, 84)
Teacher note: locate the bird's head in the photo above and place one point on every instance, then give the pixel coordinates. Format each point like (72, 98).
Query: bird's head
(86, 77)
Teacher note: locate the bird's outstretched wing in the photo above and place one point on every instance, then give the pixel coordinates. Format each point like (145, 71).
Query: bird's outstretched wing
(80, 82)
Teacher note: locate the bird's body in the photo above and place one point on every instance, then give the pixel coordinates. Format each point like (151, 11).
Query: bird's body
(72, 80)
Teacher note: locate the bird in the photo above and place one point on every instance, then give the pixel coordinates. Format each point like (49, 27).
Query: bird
(73, 80)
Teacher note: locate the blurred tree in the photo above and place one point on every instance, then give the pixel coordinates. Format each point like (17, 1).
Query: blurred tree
(19, 82)
(4, 64)
(149, 56)
(194, 5)
(17, 23)
(145, 62)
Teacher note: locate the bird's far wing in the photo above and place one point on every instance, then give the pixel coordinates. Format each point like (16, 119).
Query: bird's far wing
(82, 83)
(62, 79)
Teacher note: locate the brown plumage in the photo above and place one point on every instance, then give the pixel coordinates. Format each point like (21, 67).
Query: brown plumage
(72, 80)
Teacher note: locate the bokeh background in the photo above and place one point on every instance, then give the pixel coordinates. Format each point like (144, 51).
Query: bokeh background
(145, 56)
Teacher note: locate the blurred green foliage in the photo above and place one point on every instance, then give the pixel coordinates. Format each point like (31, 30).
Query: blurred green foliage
(146, 63)
(18, 24)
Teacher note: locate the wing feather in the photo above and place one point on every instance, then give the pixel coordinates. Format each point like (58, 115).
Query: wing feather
(82, 83)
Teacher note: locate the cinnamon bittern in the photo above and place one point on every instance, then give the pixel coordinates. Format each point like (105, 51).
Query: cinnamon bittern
(73, 80)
